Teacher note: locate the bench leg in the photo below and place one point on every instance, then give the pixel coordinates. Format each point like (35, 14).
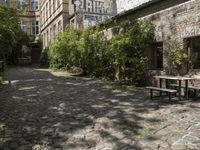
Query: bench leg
(195, 93)
(175, 94)
(151, 93)
(170, 96)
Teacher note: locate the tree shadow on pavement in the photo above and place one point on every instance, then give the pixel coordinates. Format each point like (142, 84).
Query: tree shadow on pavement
(43, 111)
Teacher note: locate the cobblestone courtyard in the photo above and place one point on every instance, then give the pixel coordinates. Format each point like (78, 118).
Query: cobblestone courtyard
(41, 110)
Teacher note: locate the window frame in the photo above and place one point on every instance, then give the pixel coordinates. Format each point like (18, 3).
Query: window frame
(35, 27)
(190, 50)
(154, 61)
(23, 25)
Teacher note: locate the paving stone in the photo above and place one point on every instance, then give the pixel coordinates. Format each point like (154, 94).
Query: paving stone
(77, 113)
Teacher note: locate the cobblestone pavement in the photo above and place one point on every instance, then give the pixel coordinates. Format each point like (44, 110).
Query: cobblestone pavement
(40, 110)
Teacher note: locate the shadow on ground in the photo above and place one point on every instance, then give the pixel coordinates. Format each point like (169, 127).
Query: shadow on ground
(43, 111)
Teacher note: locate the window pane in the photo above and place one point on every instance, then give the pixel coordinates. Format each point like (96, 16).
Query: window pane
(157, 56)
(23, 25)
(194, 45)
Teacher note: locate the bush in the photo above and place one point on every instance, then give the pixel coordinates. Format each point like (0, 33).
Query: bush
(121, 58)
(44, 59)
(64, 51)
(127, 50)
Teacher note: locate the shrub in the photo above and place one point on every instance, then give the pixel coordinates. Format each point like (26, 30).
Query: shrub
(44, 59)
(64, 51)
(121, 58)
(127, 50)
(93, 54)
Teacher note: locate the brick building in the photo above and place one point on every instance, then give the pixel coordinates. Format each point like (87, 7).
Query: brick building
(174, 21)
(29, 22)
(53, 19)
(85, 13)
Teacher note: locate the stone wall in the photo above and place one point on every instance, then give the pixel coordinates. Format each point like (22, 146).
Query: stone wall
(176, 24)
(173, 21)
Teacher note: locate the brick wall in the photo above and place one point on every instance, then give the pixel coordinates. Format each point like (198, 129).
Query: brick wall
(173, 20)
(176, 24)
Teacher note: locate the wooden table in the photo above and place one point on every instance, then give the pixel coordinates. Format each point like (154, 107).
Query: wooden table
(175, 78)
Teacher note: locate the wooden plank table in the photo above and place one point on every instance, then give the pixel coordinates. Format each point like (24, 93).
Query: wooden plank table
(179, 79)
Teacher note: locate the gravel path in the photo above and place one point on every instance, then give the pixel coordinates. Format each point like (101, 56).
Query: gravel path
(42, 110)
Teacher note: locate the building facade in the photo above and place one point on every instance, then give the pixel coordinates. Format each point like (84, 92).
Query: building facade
(86, 13)
(124, 5)
(175, 22)
(30, 16)
(53, 19)
(30, 24)
(46, 18)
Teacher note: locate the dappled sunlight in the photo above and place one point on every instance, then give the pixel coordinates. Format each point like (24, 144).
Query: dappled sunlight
(56, 112)
(17, 97)
(27, 88)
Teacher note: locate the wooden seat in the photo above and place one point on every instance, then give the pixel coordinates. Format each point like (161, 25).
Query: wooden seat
(169, 91)
(195, 88)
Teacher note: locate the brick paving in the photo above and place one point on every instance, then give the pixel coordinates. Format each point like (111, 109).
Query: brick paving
(41, 110)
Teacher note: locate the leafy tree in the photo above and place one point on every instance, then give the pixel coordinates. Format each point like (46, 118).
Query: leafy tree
(123, 57)
(178, 58)
(11, 36)
(127, 50)
(64, 51)
(93, 58)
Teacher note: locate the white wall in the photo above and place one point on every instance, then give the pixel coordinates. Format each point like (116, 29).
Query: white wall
(123, 5)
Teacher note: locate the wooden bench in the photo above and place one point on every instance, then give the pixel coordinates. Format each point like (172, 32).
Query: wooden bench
(195, 88)
(168, 91)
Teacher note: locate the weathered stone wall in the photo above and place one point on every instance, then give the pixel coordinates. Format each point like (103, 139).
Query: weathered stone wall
(176, 24)
(173, 21)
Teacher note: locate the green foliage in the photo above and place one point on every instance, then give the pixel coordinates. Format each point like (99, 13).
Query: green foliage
(11, 36)
(44, 59)
(121, 58)
(93, 57)
(127, 50)
(64, 51)
(177, 57)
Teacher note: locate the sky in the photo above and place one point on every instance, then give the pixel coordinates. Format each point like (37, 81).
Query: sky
(123, 5)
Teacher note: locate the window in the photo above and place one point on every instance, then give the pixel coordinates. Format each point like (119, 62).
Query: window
(59, 26)
(53, 5)
(47, 36)
(34, 5)
(8, 3)
(51, 34)
(50, 7)
(35, 27)
(58, 3)
(44, 15)
(21, 4)
(54, 32)
(47, 13)
(194, 51)
(157, 56)
(23, 25)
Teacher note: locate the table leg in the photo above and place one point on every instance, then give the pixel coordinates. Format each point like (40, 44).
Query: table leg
(166, 84)
(186, 89)
(179, 89)
(160, 80)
